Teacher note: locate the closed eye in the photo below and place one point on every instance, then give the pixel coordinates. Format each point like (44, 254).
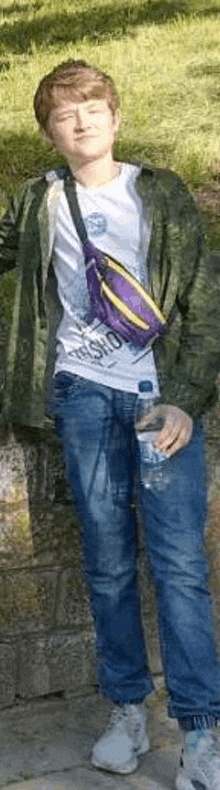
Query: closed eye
(65, 117)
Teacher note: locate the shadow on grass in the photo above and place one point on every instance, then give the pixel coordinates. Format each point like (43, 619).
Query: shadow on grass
(209, 70)
(202, 70)
(14, 8)
(97, 23)
(24, 156)
(156, 154)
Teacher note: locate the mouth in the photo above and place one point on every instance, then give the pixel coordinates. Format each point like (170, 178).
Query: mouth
(86, 136)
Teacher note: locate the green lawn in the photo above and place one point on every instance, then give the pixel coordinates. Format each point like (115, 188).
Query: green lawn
(165, 58)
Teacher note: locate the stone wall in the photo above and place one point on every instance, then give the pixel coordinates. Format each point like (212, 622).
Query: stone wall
(46, 629)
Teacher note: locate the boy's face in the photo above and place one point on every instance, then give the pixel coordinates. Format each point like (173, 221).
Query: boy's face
(82, 131)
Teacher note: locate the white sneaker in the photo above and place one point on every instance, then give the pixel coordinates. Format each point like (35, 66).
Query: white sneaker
(123, 741)
(200, 770)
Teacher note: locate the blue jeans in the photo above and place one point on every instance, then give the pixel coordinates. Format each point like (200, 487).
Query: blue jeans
(96, 427)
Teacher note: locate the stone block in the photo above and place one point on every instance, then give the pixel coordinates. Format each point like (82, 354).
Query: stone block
(8, 664)
(18, 600)
(33, 670)
(46, 580)
(54, 663)
(54, 526)
(27, 599)
(73, 608)
(16, 546)
(71, 660)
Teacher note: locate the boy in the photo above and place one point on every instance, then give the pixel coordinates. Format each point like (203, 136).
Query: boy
(147, 220)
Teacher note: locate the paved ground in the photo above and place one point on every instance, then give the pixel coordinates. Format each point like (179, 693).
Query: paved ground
(46, 745)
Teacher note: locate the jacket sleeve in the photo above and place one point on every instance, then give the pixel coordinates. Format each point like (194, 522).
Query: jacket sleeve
(191, 353)
(9, 234)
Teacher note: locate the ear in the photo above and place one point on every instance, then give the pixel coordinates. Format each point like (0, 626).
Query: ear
(47, 137)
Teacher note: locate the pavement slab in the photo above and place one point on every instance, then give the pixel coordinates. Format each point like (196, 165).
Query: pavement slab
(46, 744)
(41, 784)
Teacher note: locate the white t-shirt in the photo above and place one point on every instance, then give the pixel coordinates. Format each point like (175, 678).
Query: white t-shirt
(113, 219)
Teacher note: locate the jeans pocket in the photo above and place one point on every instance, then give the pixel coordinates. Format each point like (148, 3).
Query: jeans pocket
(65, 385)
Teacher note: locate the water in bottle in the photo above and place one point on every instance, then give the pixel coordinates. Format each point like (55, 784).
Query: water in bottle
(154, 466)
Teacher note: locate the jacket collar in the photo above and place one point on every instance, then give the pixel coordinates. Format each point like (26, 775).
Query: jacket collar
(60, 172)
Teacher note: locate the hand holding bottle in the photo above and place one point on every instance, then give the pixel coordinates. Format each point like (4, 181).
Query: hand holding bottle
(176, 427)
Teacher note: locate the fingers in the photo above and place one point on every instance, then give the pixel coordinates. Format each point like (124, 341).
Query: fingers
(144, 420)
(179, 442)
(169, 433)
(177, 430)
(176, 433)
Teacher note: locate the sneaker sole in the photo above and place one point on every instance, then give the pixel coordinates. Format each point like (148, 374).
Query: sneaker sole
(144, 747)
(184, 783)
(127, 768)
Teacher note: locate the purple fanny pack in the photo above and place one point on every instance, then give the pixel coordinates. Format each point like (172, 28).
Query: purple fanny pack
(116, 297)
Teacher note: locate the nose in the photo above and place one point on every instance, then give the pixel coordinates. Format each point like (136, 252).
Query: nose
(80, 119)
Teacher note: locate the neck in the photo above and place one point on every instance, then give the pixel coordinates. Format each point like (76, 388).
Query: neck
(95, 174)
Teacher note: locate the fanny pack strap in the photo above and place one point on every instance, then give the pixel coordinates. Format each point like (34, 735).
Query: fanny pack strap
(70, 191)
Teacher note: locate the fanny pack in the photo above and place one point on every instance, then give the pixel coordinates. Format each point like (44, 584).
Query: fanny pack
(116, 297)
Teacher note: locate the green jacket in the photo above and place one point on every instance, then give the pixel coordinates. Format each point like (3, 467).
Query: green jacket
(180, 281)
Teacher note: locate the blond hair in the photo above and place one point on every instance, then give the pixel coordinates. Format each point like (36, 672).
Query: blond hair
(77, 80)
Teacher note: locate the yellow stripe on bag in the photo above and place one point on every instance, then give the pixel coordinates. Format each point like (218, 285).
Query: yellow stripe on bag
(112, 264)
(136, 320)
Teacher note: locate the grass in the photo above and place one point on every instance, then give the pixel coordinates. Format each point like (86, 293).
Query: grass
(165, 58)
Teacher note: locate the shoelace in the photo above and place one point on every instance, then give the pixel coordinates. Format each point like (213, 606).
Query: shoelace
(120, 714)
(117, 715)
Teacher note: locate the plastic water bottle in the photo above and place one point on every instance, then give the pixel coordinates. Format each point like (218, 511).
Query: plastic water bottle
(154, 470)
